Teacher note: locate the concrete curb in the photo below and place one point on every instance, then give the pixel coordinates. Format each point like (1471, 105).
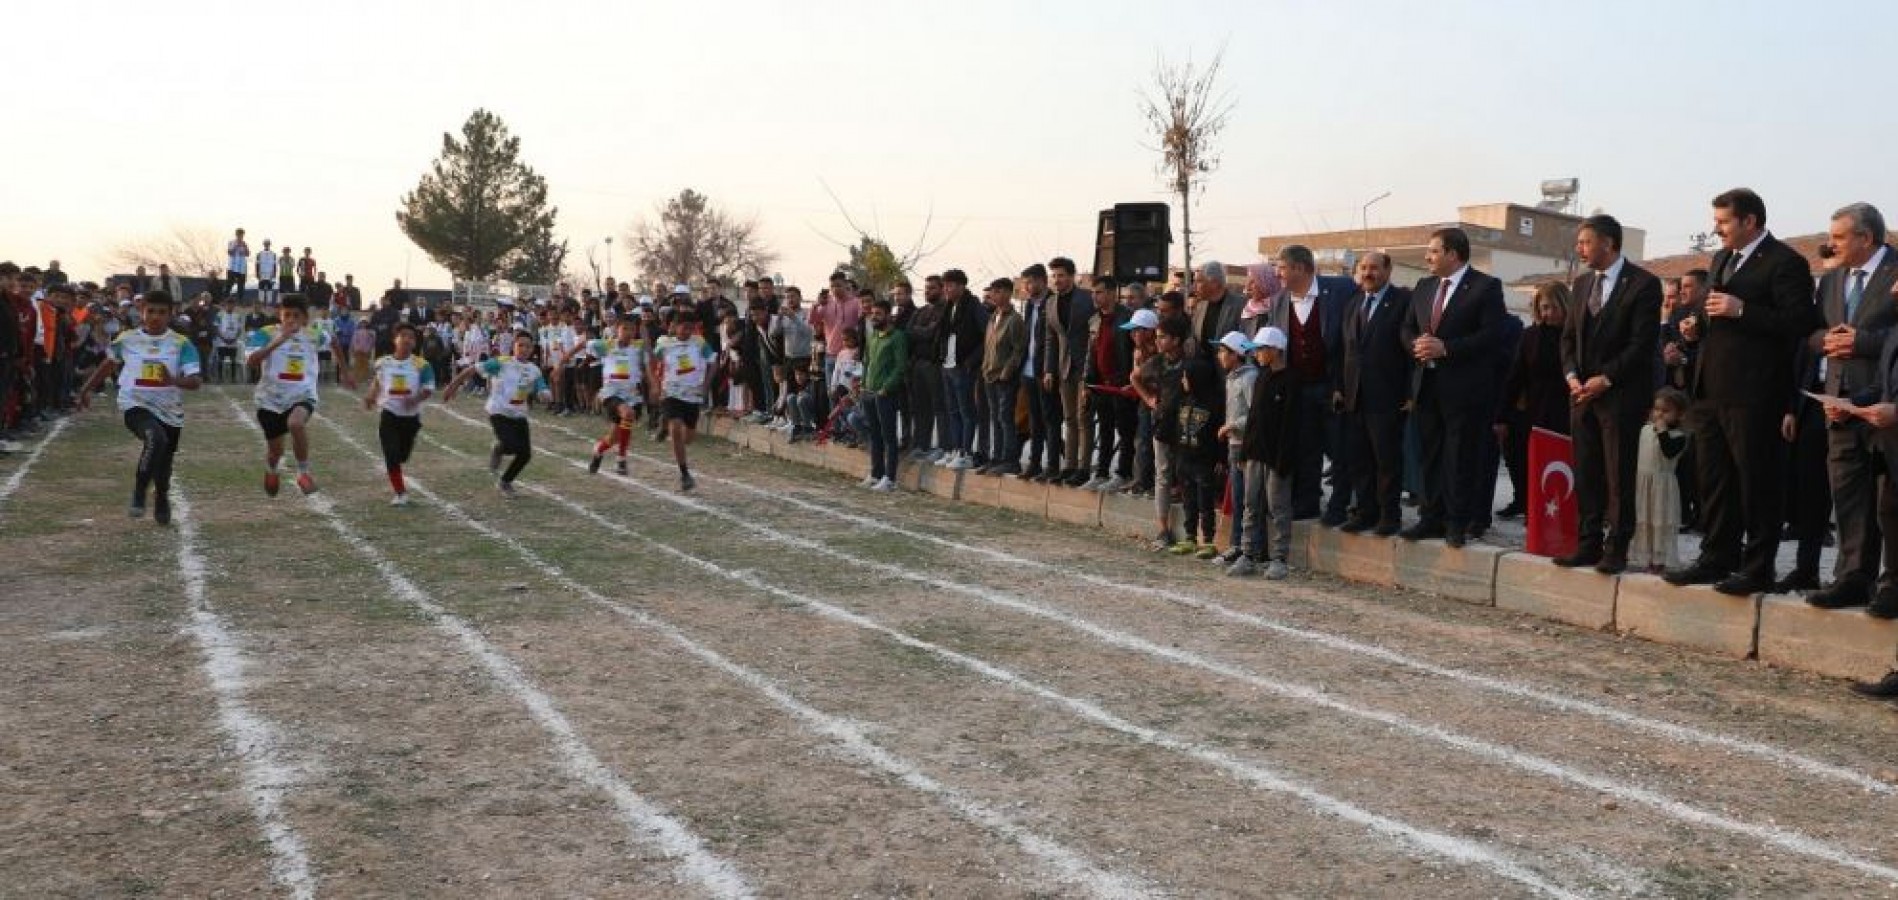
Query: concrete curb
(1777, 630)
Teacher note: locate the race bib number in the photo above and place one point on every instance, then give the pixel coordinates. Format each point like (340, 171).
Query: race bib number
(399, 385)
(292, 369)
(621, 371)
(687, 364)
(519, 397)
(150, 374)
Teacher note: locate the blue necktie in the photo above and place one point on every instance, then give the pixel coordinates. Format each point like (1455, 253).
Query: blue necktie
(1853, 294)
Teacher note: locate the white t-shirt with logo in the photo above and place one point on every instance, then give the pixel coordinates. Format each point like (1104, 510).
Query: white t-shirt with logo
(682, 366)
(402, 382)
(144, 361)
(511, 383)
(290, 371)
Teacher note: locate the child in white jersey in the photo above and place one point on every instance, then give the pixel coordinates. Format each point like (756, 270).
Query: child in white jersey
(622, 371)
(683, 358)
(512, 381)
(155, 366)
(403, 382)
(286, 356)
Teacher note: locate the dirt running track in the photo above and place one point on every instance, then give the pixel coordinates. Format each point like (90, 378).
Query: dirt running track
(782, 686)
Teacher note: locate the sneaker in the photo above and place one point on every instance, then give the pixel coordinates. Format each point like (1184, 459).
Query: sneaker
(1183, 548)
(136, 510)
(1113, 485)
(936, 456)
(306, 484)
(399, 500)
(620, 467)
(1207, 552)
(593, 465)
(959, 463)
(1231, 556)
(1243, 567)
(1093, 484)
(685, 481)
(1161, 544)
(884, 486)
(9, 447)
(869, 481)
(161, 508)
(1276, 571)
(506, 488)
(272, 483)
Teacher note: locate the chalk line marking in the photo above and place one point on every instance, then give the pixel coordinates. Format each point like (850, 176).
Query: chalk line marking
(264, 769)
(645, 820)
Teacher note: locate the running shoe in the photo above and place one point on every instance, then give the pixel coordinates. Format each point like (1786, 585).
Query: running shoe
(620, 467)
(685, 481)
(1184, 548)
(883, 486)
(1277, 571)
(306, 484)
(271, 483)
(506, 488)
(1207, 552)
(593, 466)
(399, 500)
(161, 508)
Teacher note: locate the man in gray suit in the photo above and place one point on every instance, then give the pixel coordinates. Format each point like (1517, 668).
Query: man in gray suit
(1856, 297)
(1216, 306)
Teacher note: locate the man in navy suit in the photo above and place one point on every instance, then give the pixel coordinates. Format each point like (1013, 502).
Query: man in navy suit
(1310, 310)
(1455, 332)
(1373, 390)
(1760, 308)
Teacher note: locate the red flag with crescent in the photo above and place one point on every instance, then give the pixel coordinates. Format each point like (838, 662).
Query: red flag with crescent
(1551, 514)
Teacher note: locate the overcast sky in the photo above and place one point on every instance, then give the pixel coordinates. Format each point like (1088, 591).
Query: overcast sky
(1013, 122)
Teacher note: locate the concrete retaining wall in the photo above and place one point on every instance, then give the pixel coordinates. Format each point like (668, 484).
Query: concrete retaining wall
(1782, 631)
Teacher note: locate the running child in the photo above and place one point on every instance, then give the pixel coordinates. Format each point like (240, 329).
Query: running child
(286, 356)
(403, 382)
(623, 367)
(155, 366)
(683, 359)
(512, 381)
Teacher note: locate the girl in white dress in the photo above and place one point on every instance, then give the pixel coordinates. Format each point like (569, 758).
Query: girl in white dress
(1657, 493)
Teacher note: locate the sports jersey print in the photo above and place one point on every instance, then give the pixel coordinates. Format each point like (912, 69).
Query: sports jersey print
(682, 366)
(290, 372)
(402, 382)
(147, 362)
(622, 369)
(511, 383)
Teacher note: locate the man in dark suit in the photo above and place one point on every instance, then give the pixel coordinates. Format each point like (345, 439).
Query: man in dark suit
(1855, 298)
(1454, 331)
(1759, 309)
(1310, 310)
(1373, 391)
(1608, 353)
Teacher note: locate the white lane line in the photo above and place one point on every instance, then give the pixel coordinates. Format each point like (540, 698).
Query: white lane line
(1684, 734)
(18, 477)
(264, 768)
(1072, 867)
(1446, 846)
(1785, 839)
(647, 823)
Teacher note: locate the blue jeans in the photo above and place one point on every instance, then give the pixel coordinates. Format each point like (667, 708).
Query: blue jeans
(1001, 396)
(879, 413)
(958, 398)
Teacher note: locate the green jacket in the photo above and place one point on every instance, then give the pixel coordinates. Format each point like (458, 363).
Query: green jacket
(886, 360)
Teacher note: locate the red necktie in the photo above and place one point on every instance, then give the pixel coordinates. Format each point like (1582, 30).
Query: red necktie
(1436, 310)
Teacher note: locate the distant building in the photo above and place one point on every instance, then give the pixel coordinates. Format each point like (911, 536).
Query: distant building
(1518, 244)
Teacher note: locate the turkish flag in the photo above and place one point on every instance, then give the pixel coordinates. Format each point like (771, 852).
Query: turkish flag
(1551, 513)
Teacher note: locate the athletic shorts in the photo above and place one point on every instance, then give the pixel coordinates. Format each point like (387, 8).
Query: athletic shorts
(682, 411)
(277, 424)
(611, 406)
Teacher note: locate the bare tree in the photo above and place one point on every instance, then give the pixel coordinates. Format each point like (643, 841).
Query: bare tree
(873, 257)
(190, 250)
(689, 239)
(1187, 110)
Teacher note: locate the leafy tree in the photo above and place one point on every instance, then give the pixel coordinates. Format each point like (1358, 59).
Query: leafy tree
(542, 260)
(689, 239)
(480, 207)
(873, 265)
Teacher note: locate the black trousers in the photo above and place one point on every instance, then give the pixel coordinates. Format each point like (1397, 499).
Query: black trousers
(1808, 491)
(1738, 453)
(511, 438)
(1607, 442)
(160, 447)
(1374, 441)
(1313, 409)
(925, 386)
(1451, 434)
(233, 286)
(397, 436)
(1115, 420)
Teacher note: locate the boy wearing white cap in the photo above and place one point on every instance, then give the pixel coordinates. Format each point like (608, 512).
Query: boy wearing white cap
(1269, 452)
(1235, 359)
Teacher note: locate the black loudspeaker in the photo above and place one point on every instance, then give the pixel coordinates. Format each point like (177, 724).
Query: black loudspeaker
(1131, 242)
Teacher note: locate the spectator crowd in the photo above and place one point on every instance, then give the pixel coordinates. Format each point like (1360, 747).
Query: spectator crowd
(1747, 403)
